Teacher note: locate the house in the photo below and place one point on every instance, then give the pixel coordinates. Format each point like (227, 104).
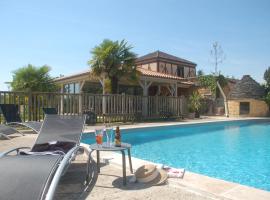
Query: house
(160, 74)
(246, 99)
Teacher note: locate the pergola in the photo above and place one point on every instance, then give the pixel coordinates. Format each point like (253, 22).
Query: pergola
(146, 79)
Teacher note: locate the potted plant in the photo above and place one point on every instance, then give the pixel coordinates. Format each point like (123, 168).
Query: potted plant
(194, 105)
(191, 112)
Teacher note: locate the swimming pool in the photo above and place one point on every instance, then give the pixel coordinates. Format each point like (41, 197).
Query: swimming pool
(237, 151)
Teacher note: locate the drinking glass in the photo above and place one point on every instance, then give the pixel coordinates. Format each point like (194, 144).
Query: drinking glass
(109, 132)
(99, 136)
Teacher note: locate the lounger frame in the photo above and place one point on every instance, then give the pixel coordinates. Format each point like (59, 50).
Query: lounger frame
(25, 124)
(52, 183)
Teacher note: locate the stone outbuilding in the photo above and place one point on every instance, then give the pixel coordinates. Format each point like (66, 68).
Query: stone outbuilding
(246, 99)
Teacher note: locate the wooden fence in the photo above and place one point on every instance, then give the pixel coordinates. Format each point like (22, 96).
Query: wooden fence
(106, 107)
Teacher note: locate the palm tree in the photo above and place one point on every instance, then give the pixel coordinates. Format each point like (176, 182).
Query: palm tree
(111, 61)
(31, 78)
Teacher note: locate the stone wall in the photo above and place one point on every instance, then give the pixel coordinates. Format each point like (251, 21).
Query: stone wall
(258, 108)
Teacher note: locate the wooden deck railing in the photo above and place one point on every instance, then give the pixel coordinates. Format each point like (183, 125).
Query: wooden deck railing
(106, 107)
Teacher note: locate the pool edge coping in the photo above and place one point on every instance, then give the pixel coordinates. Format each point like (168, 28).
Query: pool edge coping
(162, 124)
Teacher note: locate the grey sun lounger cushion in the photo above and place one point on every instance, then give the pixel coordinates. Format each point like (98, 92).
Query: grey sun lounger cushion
(25, 177)
(11, 115)
(59, 133)
(61, 128)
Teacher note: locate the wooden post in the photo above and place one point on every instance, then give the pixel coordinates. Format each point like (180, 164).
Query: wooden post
(81, 84)
(172, 89)
(62, 100)
(181, 106)
(145, 86)
(29, 106)
(176, 90)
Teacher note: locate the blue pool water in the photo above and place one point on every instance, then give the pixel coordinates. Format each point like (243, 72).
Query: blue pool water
(237, 151)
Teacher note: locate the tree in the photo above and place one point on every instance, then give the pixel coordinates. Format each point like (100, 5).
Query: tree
(111, 61)
(200, 72)
(33, 79)
(267, 99)
(210, 81)
(266, 77)
(218, 55)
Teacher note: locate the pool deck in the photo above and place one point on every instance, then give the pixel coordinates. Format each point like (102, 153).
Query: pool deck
(109, 183)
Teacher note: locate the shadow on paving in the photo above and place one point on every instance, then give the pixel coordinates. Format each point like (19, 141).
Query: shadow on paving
(118, 183)
(72, 185)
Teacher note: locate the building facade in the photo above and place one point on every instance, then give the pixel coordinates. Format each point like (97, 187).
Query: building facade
(160, 74)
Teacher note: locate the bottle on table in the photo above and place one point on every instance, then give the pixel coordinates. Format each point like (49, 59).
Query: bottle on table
(117, 137)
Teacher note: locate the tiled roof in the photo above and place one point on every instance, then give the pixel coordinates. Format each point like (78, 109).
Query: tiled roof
(142, 71)
(247, 87)
(150, 73)
(160, 54)
(85, 72)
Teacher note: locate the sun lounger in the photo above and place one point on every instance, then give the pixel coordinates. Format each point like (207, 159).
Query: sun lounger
(11, 115)
(5, 131)
(35, 174)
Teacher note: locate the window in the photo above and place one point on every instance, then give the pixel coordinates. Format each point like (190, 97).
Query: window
(66, 88)
(244, 108)
(180, 71)
(77, 88)
(72, 88)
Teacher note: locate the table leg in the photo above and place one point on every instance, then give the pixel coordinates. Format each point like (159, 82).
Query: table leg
(130, 162)
(88, 167)
(98, 161)
(124, 167)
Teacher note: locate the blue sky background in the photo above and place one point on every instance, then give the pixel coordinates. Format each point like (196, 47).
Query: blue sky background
(61, 33)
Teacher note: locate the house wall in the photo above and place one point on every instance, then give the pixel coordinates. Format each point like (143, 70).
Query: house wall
(153, 66)
(169, 68)
(174, 70)
(149, 66)
(258, 108)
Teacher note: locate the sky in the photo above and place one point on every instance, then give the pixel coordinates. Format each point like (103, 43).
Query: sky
(61, 33)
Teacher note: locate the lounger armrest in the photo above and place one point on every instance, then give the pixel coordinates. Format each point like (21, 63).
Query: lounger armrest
(12, 150)
(61, 168)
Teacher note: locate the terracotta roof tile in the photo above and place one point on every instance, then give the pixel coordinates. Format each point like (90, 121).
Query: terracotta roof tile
(142, 71)
(150, 73)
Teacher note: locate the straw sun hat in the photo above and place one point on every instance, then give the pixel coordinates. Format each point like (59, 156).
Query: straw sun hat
(151, 175)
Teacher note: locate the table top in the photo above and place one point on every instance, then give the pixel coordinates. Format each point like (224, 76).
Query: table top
(105, 147)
